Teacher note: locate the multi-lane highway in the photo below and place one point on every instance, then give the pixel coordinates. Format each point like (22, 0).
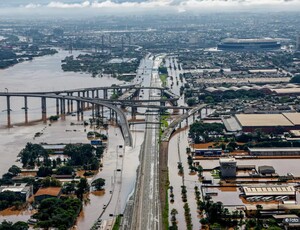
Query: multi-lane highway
(146, 212)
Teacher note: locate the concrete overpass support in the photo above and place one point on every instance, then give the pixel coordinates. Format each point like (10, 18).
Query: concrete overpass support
(8, 111)
(26, 109)
(62, 109)
(133, 112)
(105, 93)
(44, 109)
(68, 105)
(97, 93)
(71, 101)
(57, 107)
(83, 95)
(81, 111)
(78, 110)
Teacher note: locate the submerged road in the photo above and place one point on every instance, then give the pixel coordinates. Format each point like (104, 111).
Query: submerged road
(146, 212)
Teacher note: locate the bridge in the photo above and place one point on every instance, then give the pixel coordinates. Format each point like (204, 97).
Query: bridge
(61, 99)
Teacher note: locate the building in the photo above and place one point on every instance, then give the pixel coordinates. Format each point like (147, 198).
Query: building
(54, 148)
(249, 44)
(44, 193)
(227, 167)
(298, 43)
(276, 123)
(19, 188)
(266, 170)
(208, 152)
(274, 151)
(269, 190)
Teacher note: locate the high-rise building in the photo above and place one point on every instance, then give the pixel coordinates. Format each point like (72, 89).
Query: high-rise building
(298, 43)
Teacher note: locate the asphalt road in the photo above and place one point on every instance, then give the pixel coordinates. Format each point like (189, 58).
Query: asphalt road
(147, 213)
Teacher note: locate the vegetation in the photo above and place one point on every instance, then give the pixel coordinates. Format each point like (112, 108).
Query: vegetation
(163, 78)
(200, 131)
(31, 153)
(82, 155)
(295, 79)
(53, 118)
(98, 183)
(8, 199)
(20, 225)
(117, 223)
(58, 213)
(82, 187)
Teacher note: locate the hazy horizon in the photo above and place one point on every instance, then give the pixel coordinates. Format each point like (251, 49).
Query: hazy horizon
(92, 7)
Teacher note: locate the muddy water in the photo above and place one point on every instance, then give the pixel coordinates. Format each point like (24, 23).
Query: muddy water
(45, 74)
(177, 152)
(42, 74)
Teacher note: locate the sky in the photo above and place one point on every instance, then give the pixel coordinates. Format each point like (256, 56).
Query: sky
(44, 6)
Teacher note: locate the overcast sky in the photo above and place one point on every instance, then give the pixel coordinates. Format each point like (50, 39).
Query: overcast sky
(44, 6)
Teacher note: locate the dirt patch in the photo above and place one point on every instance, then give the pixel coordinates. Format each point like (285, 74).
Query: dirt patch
(99, 193)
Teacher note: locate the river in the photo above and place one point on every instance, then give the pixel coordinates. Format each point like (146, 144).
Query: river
(45, 74)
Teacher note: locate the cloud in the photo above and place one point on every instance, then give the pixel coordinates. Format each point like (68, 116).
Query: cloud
(32, 6)
(178, 5)
(84, 4)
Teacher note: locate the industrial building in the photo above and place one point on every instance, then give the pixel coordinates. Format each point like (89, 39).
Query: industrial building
(268, 123)
(19, 188)
(274, 151)
(266, 170)
(227, 167)
(249, 44)
(269, 190)
(208, 152)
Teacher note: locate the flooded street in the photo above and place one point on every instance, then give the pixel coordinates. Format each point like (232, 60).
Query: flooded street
(45, 74)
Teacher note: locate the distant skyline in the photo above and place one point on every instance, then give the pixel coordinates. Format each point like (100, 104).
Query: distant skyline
(123, 6)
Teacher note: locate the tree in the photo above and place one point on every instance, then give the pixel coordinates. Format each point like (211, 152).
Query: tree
(50, 182)
(82, 187)
(98, 183)
(65, 170)
(44, 171)
(15, 170)
(5, 225)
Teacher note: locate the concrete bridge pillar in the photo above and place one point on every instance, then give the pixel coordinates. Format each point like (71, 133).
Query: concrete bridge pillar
(62, 109)
(78, 109)
(57, 106)
(102, 112)
(81, 110)
(8, 111)
(44, 109)
(78, 94)
(93, 110)
(162, 103)
(93, 93)
(133, 112)
(83, 95)
(97, 93)
(68, 105)
(26, 109)
(105, 93)
(200, 114)
(71, 101)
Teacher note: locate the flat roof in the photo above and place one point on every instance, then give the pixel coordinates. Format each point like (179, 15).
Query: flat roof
(286, 90)
(227, 160)
(250, 40)
(51, 191)
(259, 120)
(286, 149)
(293, 117)
(269, 190)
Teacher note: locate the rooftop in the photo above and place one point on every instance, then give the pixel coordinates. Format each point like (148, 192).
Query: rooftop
(52, 191)
(293, 117)
(263, 120)
(269, 190)
(286, 149)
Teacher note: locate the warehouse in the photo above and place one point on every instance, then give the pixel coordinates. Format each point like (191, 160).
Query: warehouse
(272, 190)
(290, 151)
